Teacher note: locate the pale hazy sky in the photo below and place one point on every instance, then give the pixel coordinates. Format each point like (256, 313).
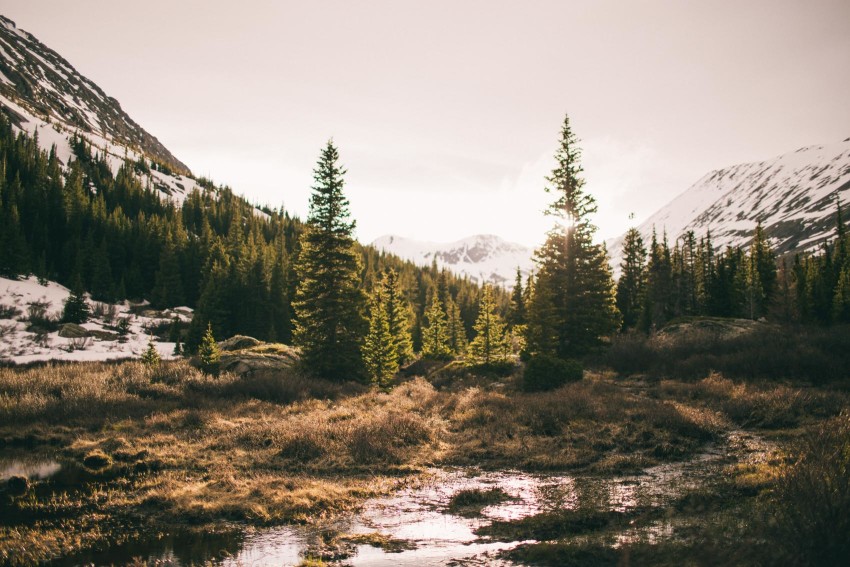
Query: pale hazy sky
(447, 113)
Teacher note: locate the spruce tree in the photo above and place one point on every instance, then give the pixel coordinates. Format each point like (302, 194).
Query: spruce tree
(76, 309)
(489, 342)
(762, 262)
(435, 340)
(455, 329)
(380, 355)
(328, 301)
(630, 287)
(573, 279)
(656, 305)
(151, 356)
(841, 299)
(168, 289)
(398, 316)
(209, 353)
(516, 314)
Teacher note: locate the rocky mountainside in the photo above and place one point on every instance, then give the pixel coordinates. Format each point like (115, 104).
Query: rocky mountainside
(43, 95)
(482, 258)
(793, 195)
(38, 80)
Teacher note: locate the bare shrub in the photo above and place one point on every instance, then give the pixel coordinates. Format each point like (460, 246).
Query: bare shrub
(9, 311)
(808, 521)
(7, 330)
(105, 311)
(385, 438)
(37, 310)
(39, 317)
(78, 343)
(810, 354)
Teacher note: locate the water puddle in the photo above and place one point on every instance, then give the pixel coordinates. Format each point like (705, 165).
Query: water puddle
(30, 467)
(423, 530)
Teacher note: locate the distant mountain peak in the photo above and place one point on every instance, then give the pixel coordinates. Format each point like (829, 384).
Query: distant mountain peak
(484, 258)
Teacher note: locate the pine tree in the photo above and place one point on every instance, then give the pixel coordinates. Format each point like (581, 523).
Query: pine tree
(328, 301)
(151, 356)
(435, 340)
(380, 355)
(656, 307)
(209, 353)
(841, 300)
(630, 288)
(398, 316)
(763, 261)
(489, 342)
(76, 309)
(516, 314)
(168, 289)
(574, 279)
(455, 329)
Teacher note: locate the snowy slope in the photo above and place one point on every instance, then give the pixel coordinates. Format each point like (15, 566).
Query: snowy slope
(793, 195)
(38, 79)
(482, 258)
(20, 343)
(43, 95)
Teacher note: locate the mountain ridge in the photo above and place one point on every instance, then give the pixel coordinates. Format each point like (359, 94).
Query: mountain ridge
(793, 195)
(44, 84)
(484, 258)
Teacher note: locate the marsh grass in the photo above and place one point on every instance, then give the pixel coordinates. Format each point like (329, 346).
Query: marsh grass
(470, 502)
(761, 351)
(181, 448)
(759, 404)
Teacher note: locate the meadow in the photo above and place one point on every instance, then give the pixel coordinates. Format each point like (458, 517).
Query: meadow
(167, 448)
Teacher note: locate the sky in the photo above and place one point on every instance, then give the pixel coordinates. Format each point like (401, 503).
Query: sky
(447, 113)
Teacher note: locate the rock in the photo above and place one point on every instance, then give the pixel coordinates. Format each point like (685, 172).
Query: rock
(266, 357)
(238, 342)
(104, 335)
(72, 331)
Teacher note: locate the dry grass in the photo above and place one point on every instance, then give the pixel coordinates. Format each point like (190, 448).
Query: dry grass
(174, 447)
(761, 404)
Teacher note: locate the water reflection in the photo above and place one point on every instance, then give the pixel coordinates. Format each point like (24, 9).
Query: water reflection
(433, 536)
(33, 468)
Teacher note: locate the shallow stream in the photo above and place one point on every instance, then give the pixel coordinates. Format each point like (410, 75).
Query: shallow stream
(419, 524)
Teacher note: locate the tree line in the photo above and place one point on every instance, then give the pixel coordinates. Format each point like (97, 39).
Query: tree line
(112, 234)
(658, 283)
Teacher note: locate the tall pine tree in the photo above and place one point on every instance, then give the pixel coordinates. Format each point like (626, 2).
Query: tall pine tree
(380, 355)
(630, 287)
(574, 279)
(489, 342)
(328, 301)
(435, 339)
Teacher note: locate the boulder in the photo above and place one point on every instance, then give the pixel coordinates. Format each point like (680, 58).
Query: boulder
(72, 331)
(265, 357)
(238, 342)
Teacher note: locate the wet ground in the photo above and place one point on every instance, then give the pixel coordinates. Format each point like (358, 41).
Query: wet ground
(417, 527)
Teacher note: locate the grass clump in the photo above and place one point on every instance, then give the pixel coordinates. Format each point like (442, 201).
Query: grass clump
(382, 541)
(97, 460)
(808, 519)
(470, 502)
(549, 526)
(544, 372)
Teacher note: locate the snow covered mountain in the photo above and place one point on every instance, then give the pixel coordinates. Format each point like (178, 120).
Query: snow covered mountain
(41, 93)
(482, 258)
(793, 195)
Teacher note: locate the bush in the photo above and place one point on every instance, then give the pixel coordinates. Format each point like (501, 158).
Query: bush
(9, 311)
(544, 372)
(809, 522)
